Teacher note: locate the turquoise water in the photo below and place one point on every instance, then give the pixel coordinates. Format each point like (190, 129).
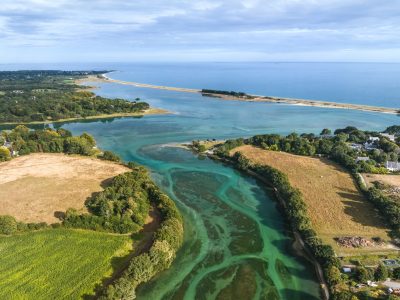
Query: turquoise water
(236, 241)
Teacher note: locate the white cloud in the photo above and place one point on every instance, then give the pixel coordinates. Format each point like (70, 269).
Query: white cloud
(293, 27)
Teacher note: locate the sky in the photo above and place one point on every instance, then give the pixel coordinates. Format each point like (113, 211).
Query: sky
(199, 30)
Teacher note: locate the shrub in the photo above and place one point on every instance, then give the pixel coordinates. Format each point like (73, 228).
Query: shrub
(396, 273)
(381, 273)
(108, 155)
(363, 275)
(8, 225)
(4, 154)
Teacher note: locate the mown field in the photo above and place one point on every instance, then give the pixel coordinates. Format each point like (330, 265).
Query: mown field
(58, 263)
(44, 181)
(336, 208)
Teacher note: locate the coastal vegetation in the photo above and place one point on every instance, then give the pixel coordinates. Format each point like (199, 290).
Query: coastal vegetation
(123, 207)
(335, 206)
(344, 147)
(207, 92)
(46, 96)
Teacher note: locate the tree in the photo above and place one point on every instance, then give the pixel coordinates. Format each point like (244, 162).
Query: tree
(363, 275)
(4, 154)
(395, 129)
(8, 225)
(342, 137)
(381, 273)
(344, 295)
(77, 145)
(396, 273)
(108, 155)
(326, 131)
(333, 275)
(91, 141)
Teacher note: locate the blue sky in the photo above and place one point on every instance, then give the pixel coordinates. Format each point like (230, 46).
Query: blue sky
(202, 30)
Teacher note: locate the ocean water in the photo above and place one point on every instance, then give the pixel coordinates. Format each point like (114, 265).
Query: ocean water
(360, 83)
(237, 245)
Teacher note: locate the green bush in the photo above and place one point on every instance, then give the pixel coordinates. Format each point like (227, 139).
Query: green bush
(381, 273)
(111, 156)
(4, 154)
(8, 225)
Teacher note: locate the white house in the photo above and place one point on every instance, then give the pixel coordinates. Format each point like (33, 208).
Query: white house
(355, 146)
(362, 159)
(392, 166)
(373, 138)
(391, 137)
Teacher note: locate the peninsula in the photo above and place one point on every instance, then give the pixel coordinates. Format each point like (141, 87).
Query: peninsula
(37, 97)
(232, 96)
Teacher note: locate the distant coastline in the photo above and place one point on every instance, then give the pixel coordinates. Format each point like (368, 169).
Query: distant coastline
(251, 98)
(151, 111)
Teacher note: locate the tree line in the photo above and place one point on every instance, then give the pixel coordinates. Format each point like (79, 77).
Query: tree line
(335, 146)
(25, 141)
(38, 96)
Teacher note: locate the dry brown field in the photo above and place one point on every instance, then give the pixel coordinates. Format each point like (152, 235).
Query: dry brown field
(335, 205)
(393, 180)
(34, 187)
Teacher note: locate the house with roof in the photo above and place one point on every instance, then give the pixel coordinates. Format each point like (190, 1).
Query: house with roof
(390, 137)
(370, 146)
(357, 147)
(362, 159)
(392, 166)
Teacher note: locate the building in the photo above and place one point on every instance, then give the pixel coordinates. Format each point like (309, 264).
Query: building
(357, 147)
(362, 159)
(373, 139)
(370, 145)
(392, 166)
(391, 137)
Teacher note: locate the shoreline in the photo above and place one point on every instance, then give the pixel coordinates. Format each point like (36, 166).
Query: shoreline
(298, 245)
(149, 112)
(251, 98)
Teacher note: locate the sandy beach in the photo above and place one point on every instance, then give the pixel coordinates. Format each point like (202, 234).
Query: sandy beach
(250, 98)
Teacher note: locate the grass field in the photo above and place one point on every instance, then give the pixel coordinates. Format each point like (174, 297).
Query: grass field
(34, 187)
(58, 263)
(392, 180)
(335, 206)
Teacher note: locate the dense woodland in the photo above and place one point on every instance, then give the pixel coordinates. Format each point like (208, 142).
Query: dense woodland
(36, 96)
(25, 141)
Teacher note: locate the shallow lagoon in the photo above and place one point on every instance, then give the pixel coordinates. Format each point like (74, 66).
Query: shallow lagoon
(236, 241)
